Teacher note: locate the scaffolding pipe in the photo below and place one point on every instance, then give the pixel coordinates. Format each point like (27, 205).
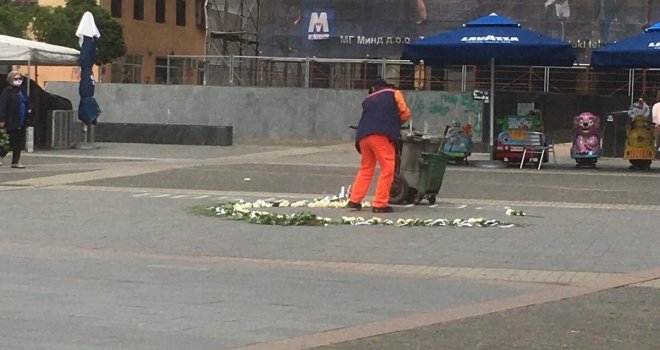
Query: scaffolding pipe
(231, 70)
(307, 72)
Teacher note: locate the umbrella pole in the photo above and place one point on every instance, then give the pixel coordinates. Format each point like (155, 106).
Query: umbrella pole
(491, 101)
(28, 76)
(29, 131)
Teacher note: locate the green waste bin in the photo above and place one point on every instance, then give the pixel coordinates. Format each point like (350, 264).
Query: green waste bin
(406, 186)
(432, 168)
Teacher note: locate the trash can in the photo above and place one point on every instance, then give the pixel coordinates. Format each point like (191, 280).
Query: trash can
(432, 168)
(411, 148)
(406, 185)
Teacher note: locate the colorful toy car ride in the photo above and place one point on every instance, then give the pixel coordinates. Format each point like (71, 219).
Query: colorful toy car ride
(510, 143)
(458, 142)
(640, 144)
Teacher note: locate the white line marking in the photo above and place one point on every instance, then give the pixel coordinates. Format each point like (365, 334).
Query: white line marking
(179, 196)
(141, 195)
(457, 206)
(485, 204)
(162, 195)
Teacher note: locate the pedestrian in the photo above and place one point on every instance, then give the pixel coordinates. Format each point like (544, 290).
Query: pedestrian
(656, 120)
(639, 109)
(378, 133)
(14, 111)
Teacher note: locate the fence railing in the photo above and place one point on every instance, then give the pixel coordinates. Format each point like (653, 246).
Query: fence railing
(312, 72)
(64, 130)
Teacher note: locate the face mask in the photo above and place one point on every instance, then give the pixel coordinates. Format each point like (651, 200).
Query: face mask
(17, 82)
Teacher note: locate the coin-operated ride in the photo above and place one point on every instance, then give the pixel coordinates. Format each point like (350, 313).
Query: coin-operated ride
(640, 143)
(586, 148)
(510, 143)
(458, 142)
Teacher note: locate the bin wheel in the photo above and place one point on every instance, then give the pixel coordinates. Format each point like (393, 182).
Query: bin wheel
(412, 194)
(431, 200)
(398, 190)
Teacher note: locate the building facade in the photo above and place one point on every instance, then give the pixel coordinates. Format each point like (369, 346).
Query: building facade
(153, 29)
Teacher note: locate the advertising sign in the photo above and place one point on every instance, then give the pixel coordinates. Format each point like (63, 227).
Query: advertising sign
(380, 28)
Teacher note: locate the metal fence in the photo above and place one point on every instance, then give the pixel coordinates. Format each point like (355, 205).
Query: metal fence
(312, 72)
(64, 130)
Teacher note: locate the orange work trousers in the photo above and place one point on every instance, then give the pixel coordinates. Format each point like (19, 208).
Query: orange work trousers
(375, 148)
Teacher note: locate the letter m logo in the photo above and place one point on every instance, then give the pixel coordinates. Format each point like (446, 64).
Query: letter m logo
(319, 25)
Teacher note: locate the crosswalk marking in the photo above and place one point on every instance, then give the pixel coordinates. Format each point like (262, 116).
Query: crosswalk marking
(478, 203)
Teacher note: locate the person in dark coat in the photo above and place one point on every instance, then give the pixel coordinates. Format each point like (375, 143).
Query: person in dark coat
(378, 131)
(14, 109)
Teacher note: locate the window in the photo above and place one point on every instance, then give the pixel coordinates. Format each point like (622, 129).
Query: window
(181, 12)
(200, 8)
(176, 71)
(115, 8)
(127, 69)
(138, 9)
(160, 11)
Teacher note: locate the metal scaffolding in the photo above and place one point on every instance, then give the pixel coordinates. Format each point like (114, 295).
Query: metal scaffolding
(232, 27)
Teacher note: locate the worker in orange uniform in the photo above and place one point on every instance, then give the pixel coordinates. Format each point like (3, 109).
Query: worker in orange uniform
(378, 132)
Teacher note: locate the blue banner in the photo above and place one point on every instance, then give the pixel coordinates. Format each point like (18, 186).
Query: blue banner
(380, 28)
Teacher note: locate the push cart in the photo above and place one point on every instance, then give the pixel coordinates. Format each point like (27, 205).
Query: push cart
(420, 168)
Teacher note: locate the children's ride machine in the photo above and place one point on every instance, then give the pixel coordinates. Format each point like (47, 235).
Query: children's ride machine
(458, 142)
(640, 143)
(585, 148)
(510, 143)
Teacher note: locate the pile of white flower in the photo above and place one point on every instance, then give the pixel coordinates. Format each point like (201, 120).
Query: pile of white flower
(252, 213)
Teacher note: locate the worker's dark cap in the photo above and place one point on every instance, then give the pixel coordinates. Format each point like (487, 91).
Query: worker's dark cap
(380, 82)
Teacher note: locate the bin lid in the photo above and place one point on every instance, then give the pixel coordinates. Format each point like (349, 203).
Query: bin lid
(432, 138)
(417, 136)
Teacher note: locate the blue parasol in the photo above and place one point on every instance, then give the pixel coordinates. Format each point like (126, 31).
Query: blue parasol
(487, 40)
(639, 51)
(88, 34)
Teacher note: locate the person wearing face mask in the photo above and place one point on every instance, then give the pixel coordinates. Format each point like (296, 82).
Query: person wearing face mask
(13, 116)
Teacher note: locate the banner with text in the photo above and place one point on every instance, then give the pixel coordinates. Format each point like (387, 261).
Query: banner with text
(380, 28)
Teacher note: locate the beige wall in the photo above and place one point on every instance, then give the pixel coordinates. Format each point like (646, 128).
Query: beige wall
(151, 40)
(144, 38)
(45, 74)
